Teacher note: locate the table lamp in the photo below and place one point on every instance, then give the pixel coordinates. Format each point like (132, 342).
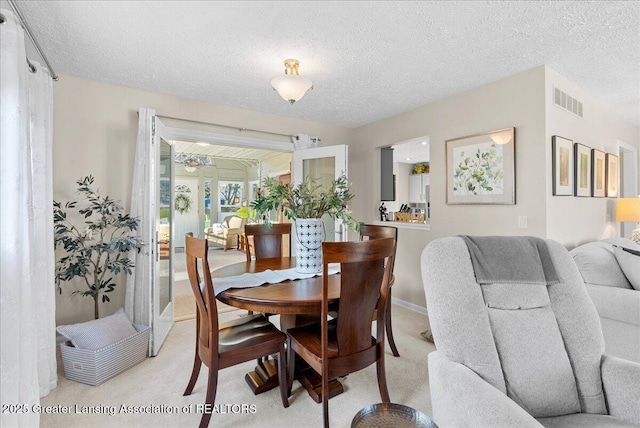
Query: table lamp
(628, 209)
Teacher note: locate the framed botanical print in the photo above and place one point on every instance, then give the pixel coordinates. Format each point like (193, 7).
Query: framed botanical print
(582, 176)
(597, 173)
(562, 165)
(612, 175)
(481, 168)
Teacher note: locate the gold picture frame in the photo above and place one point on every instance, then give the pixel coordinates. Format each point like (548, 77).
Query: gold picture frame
(562, 166)
(481, 168)
(582, 177)
(612, 172)
(598, 176)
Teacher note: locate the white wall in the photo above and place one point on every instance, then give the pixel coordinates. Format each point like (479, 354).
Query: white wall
(516, 101)
(576, 220)
(94, 132)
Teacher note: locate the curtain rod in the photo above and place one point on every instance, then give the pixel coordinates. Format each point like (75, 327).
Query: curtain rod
(27, 29)
(225, 126)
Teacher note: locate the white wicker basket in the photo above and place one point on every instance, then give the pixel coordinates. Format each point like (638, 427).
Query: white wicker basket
(95, 367)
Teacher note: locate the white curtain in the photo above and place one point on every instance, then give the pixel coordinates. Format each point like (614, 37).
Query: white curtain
(27, 287)
(137, 301)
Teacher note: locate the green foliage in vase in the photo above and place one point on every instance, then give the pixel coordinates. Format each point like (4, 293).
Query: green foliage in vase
(306, 200)
(480, 173)
(96, 252)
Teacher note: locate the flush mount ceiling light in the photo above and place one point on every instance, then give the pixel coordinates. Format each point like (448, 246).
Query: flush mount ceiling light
(291, 87)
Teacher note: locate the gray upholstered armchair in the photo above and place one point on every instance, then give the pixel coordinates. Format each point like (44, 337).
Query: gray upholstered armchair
(518, 351)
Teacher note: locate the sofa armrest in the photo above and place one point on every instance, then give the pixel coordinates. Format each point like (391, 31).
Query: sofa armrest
(619, 304)
(461, 398)
(621, 383)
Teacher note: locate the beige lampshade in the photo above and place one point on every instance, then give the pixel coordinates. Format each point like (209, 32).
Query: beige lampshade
(628, 209)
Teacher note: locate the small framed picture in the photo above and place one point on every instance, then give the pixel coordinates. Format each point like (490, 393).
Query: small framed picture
(582, 178)
(612, 175)
(597, 173)
(562, 165)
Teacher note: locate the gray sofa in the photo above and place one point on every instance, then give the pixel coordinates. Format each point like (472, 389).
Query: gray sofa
(617, 302)
(519, 353)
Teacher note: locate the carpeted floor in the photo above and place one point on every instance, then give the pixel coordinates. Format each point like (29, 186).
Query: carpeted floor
(160, 382)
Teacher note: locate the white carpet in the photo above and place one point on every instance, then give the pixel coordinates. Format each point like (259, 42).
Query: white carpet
(160, 381)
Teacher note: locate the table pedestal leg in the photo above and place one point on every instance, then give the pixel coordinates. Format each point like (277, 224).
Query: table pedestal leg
(264, 377)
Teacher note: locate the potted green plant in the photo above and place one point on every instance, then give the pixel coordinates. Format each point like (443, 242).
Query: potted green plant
(97, 251)
(306, 203)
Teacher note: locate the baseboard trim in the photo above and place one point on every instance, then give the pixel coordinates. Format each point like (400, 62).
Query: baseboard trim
(420, 309)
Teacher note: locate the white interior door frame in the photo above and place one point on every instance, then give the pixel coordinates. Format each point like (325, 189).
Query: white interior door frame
(629, 185)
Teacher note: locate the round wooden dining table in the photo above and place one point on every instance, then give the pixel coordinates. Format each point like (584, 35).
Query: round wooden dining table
(294, 297)
(291, 299)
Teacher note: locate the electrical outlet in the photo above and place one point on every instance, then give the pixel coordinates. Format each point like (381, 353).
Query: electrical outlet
(522, 222)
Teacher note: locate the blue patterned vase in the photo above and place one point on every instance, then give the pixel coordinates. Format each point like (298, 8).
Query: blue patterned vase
(309, 237)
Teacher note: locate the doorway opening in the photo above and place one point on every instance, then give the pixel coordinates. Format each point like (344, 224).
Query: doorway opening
(217, 180)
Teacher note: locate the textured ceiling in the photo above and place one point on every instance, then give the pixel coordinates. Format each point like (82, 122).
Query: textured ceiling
(367, 60)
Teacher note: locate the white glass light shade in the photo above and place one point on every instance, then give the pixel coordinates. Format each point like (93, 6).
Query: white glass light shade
(190, 168)
(501, 137)
(291, 88)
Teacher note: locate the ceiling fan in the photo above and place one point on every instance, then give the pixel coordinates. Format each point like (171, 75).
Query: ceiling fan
(191, 162)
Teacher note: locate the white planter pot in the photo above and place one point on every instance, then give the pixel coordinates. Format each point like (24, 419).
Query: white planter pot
(309, 237)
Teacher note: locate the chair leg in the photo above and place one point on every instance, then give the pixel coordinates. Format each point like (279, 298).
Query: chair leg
(212, 386)
(283, 378)
(392, 343)
(382, 380)
(197, 364)
(291, 367)
(325, 400)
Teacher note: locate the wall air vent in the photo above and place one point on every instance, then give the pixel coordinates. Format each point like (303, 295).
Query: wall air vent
(567, 102)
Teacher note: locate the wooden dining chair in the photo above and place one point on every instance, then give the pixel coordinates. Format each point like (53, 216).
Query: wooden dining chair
(373, 231)
(267, 241)
(221, 345)
(344, 344)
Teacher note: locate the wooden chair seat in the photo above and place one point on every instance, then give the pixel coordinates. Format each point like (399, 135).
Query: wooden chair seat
(248, 331)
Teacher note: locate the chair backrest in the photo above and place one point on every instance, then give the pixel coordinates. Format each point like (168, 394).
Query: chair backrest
(365, 268)
(374, 231)
(538, 343)
(197, 250)
(267, 240)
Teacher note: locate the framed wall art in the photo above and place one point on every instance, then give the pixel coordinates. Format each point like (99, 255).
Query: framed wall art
(481, 168)
(582, 178)
(562, 165)
(612, 175)
(597, 173)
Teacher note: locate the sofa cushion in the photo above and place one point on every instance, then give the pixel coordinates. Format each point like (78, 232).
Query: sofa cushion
(584, 420)
(598, 265)
(100, 333)
(629, 261)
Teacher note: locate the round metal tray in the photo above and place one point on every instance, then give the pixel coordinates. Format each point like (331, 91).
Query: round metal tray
(385, 415)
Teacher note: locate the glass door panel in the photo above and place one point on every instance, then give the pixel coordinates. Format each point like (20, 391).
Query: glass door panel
(162, 283)
(324, 164)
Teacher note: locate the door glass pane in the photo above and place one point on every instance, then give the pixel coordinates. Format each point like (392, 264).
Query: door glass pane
(164, 227)
(323, 170)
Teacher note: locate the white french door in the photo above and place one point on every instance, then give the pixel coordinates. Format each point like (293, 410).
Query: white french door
(324, 164)
(164, 241)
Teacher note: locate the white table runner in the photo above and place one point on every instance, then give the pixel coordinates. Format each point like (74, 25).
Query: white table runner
(247, 280)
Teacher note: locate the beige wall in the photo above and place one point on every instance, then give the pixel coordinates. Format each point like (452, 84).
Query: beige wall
(95, 127)
(516, 101)
(95, 133)
(576, 220)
